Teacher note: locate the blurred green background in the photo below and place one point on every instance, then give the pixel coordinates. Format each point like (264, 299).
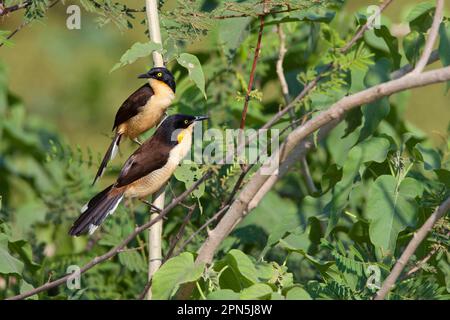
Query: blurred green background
(63, 75)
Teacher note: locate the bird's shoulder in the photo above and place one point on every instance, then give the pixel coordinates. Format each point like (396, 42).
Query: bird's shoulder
(130, 107)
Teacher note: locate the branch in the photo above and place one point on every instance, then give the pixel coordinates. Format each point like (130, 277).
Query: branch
(417, 239)
(24, 23)
(240, 207)
(155, 232)
(114, 251)
(311, 85)
(180, 233)
(433, 34)
(408, 68)
(4, 11)
(252, 72)
(261, 14)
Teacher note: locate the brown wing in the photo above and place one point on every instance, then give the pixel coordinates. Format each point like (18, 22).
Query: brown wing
(152, 155)
(131, 106)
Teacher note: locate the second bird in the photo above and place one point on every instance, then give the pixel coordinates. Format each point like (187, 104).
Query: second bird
(141, 111)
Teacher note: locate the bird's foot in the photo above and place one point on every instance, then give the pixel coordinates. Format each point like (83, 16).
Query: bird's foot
(153, 208)
(137, 141)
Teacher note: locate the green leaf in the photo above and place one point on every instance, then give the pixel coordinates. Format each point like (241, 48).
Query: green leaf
(176, 271)
(376, 111)
(431, 158)
(132, 260)
(297, 293)
(137, 50)
(8, 263)
(392, 44)
(391, 209)
(257, 291)
(189, 173)
(232, 33)
(420, 9)
(242, 264)
(192, 64)
(413, 44)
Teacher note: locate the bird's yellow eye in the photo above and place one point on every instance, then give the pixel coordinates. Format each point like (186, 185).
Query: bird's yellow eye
(186, 121)
(159, 74)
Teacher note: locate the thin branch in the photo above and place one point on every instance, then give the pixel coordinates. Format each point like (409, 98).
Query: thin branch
(114, 251)
(279, 65)
(180, 233)
(409, 67)
(252, 72)
(4, 11)
(419, 265)
(206, 224)
(259, 15)
(25, 23)
(417, 239)
(433, 34)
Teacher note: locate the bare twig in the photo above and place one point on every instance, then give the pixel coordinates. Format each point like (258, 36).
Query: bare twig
(206, 224)
(417, 239)
(25, 23)
(279, 66)
(114, 251)
(6, 10)
(252, 72)
(261, 14)
(180, 233)
(419, 265)
(433, 34)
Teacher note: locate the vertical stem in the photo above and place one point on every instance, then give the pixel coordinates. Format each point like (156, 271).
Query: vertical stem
(155, 231)
(151, 8)
(252, 73)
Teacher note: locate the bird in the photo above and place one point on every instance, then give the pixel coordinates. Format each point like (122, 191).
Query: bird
(144, 172)
(141, 111)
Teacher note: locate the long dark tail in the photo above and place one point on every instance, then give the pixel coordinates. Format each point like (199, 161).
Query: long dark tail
(110, 154)
(95, 211)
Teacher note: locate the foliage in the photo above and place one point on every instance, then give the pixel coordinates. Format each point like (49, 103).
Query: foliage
(378, 177)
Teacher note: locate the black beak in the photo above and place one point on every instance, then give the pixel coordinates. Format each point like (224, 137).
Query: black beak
(201, 118)
(144, 76)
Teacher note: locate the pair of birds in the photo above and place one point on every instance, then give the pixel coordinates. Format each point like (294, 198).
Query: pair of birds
(154, 162)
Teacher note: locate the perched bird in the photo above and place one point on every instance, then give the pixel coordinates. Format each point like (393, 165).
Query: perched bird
(143, 110)
(144, 173)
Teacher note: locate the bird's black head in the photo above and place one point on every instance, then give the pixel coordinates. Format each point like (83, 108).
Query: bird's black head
(161, 74)
(174, 126)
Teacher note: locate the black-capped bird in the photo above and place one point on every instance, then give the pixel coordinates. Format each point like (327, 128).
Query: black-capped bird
(144, 173)
(143, 110)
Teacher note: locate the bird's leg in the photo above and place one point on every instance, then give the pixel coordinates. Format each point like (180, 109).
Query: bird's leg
(152, 207)
(137, 141)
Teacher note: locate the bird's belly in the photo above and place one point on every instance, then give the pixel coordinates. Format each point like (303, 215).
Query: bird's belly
(148, 117)
(151, 183)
